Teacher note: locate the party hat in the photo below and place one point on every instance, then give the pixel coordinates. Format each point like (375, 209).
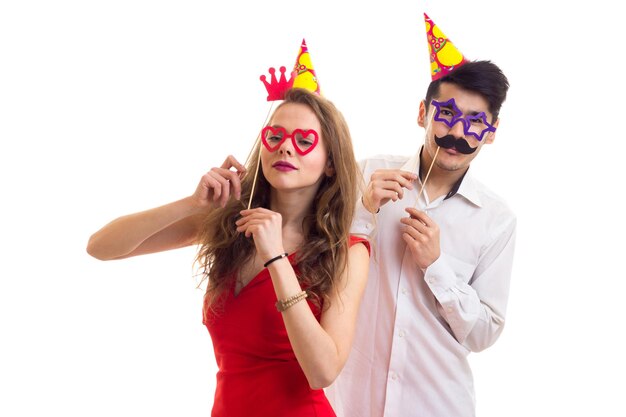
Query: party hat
(444, 56)
(304, 73)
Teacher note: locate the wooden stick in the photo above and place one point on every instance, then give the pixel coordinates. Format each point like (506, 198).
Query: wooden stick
(258, 164)
(256, 173)
(258, 137)
(427, 175)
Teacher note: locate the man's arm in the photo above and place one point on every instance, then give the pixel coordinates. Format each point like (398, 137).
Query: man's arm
(475, 311)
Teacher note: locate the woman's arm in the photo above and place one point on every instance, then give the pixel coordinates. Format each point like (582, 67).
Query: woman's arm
(322, 348)
(170, 226)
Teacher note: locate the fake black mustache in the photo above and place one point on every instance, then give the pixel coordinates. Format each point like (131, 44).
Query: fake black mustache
(449, 141)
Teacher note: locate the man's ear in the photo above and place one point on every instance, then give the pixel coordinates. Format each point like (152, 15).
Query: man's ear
(421, 115)
(491, 136)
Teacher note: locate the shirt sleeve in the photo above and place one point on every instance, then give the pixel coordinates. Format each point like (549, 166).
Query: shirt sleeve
(364, 221)
(475, 311)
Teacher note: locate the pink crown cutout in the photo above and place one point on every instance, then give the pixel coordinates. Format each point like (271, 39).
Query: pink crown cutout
(276, 89)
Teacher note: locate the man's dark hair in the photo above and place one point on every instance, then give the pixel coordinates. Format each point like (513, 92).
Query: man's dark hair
(482, 77)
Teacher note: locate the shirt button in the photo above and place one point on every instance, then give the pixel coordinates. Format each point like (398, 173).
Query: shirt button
(394, 376)
(401, 333)
(431, 280)
(405, 291)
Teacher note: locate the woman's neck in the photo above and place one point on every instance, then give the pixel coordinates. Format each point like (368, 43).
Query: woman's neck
(292, 205)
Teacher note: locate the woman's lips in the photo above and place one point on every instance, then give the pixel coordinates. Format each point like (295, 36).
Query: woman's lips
(283, 166)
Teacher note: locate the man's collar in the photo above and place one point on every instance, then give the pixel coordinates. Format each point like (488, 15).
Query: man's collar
(468, 189)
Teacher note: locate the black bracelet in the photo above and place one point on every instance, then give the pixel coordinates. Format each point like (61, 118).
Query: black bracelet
(281, 256)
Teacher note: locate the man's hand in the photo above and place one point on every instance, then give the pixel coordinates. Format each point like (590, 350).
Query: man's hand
(385, 185)
(421, 235)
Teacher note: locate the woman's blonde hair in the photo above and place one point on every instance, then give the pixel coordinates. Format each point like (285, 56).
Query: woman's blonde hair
(322, 258)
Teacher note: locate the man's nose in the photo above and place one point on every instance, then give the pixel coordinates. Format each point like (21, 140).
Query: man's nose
(458, 129)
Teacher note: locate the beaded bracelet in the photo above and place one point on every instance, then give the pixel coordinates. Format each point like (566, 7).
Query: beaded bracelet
(275, 258)
(282, 305)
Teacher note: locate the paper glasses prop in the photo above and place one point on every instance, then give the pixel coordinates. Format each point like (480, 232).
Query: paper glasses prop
(444, 58)
(475, 125)
(302, 76)
(304, 141)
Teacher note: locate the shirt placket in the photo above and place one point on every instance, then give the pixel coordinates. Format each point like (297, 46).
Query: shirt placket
(399, 365)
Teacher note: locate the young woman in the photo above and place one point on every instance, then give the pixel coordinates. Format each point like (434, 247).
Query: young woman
(285, 278)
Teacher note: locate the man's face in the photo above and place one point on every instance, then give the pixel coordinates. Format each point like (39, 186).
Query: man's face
(456, 117)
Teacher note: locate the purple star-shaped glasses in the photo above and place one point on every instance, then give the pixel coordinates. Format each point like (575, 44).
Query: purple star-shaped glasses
(474, 124)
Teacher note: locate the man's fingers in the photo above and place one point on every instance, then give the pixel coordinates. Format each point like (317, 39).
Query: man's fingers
(403, 178)
(387, 190)
(414, 224)
(421, 216)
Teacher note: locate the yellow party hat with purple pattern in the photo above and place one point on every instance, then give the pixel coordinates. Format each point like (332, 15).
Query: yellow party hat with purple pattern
(304, 73)
(444, 56)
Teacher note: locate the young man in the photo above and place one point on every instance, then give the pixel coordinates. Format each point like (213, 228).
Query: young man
(441, 260)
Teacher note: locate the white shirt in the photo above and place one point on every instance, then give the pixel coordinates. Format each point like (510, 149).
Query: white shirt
(416, 328)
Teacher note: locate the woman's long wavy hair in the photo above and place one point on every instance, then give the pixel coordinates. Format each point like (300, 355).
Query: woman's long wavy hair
(322, 258)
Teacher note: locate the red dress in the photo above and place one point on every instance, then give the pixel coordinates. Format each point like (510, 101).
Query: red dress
(259, 374)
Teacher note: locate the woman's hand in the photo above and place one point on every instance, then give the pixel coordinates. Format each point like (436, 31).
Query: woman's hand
(217, 185)
(266, 228)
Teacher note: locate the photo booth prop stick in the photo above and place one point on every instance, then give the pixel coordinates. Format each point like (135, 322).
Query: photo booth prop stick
(258, 137)
(426, 177)
(444, 58)
(276, 90)
(302, 76)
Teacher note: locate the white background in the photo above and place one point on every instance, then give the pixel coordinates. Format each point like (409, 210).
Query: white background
(110, 107)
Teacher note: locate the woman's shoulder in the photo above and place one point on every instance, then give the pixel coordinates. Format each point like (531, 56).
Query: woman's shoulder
(354, 239)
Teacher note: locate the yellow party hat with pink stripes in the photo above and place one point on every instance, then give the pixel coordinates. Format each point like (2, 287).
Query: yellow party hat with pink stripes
(304, 73)
(444, 56)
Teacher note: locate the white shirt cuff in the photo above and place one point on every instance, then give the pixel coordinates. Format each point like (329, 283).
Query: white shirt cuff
(439, 276)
